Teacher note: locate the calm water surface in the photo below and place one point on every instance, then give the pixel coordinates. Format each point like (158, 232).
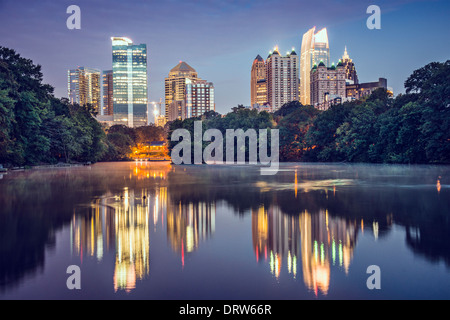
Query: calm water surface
(156, 231)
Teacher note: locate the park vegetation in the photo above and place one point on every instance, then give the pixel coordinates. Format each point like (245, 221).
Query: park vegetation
(412, 128)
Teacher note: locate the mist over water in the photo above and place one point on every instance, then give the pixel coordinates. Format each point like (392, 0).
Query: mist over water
(157, 231)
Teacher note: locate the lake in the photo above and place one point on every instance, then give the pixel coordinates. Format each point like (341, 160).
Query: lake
(158, 231)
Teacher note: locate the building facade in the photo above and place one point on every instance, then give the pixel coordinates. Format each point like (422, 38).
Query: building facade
(362, 90)
(199, 97)
(107, 108)
(327, 85)
(84, 87)
(258, 83)
(175, 84)
(177, 110)
(315, 49)
(129, 82)
(282, 76)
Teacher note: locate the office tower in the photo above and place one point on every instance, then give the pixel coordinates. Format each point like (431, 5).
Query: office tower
(350, 71)
(175, 84)
(84, 87)
(107, 93)
(282, 78)
(129, 82)
(315, 48)
(258, 83)
(177, 110)
(199, 97)
(327, 84)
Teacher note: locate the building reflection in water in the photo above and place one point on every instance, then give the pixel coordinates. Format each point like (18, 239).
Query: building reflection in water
(188, 225)
(121, 222)
(318, 240)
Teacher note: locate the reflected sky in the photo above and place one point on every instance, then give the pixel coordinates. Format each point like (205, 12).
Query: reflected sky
(157, 231)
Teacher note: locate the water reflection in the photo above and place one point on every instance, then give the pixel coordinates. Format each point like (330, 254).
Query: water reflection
(121, 222)
(317, 241)
(305, 221)
(188, 225)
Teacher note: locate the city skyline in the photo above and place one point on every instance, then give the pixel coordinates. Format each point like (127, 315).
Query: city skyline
(40, 34)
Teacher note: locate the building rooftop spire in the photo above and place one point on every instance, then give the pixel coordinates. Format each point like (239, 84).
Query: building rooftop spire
(345, 56)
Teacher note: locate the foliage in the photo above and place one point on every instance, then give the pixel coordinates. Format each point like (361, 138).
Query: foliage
(36, 127)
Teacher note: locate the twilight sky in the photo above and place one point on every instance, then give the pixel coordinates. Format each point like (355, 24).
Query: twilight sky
(220, 38)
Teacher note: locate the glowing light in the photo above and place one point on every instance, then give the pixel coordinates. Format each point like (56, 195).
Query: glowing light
(438, 185)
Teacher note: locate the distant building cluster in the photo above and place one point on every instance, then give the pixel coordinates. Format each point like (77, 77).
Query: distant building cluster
(311, 78)
(120, 95)
(186, 94)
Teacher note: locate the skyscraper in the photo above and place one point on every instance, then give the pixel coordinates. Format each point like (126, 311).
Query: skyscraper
(315, 48)
(107, 93)
(84, 87)
(175, 84)
(282, 78)
(350, 71)
(129, 82)
(258, 83)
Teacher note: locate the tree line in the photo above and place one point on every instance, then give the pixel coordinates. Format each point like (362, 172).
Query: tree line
(38, 128)
(413, 128)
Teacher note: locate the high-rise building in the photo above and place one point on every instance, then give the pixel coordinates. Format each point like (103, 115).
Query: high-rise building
(282, 78)
(327, 84)
(129, 82)
(84, 87)
(258, 83)
(315, 48)
(350, 71)
(107, 94)
(175, 84)
(199, 97)
(177, 110)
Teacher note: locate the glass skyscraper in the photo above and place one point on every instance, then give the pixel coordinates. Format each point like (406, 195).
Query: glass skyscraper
(315, 49)
(129, 82)
(84, 87)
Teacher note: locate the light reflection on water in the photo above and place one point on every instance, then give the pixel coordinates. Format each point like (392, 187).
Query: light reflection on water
(305, 223)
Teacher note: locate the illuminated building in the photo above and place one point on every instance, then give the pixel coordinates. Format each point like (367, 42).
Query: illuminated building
(351, 76)
(327, 85)
(84, 87)
(129, 82)
(199, 98)
(175, 84)
(177, 110)
(160, 121)
(258, 83)
(282, 78)
(107, 108)
(362, 90)
(315, 48)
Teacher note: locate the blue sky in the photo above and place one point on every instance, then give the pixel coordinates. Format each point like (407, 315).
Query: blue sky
(221, 38)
